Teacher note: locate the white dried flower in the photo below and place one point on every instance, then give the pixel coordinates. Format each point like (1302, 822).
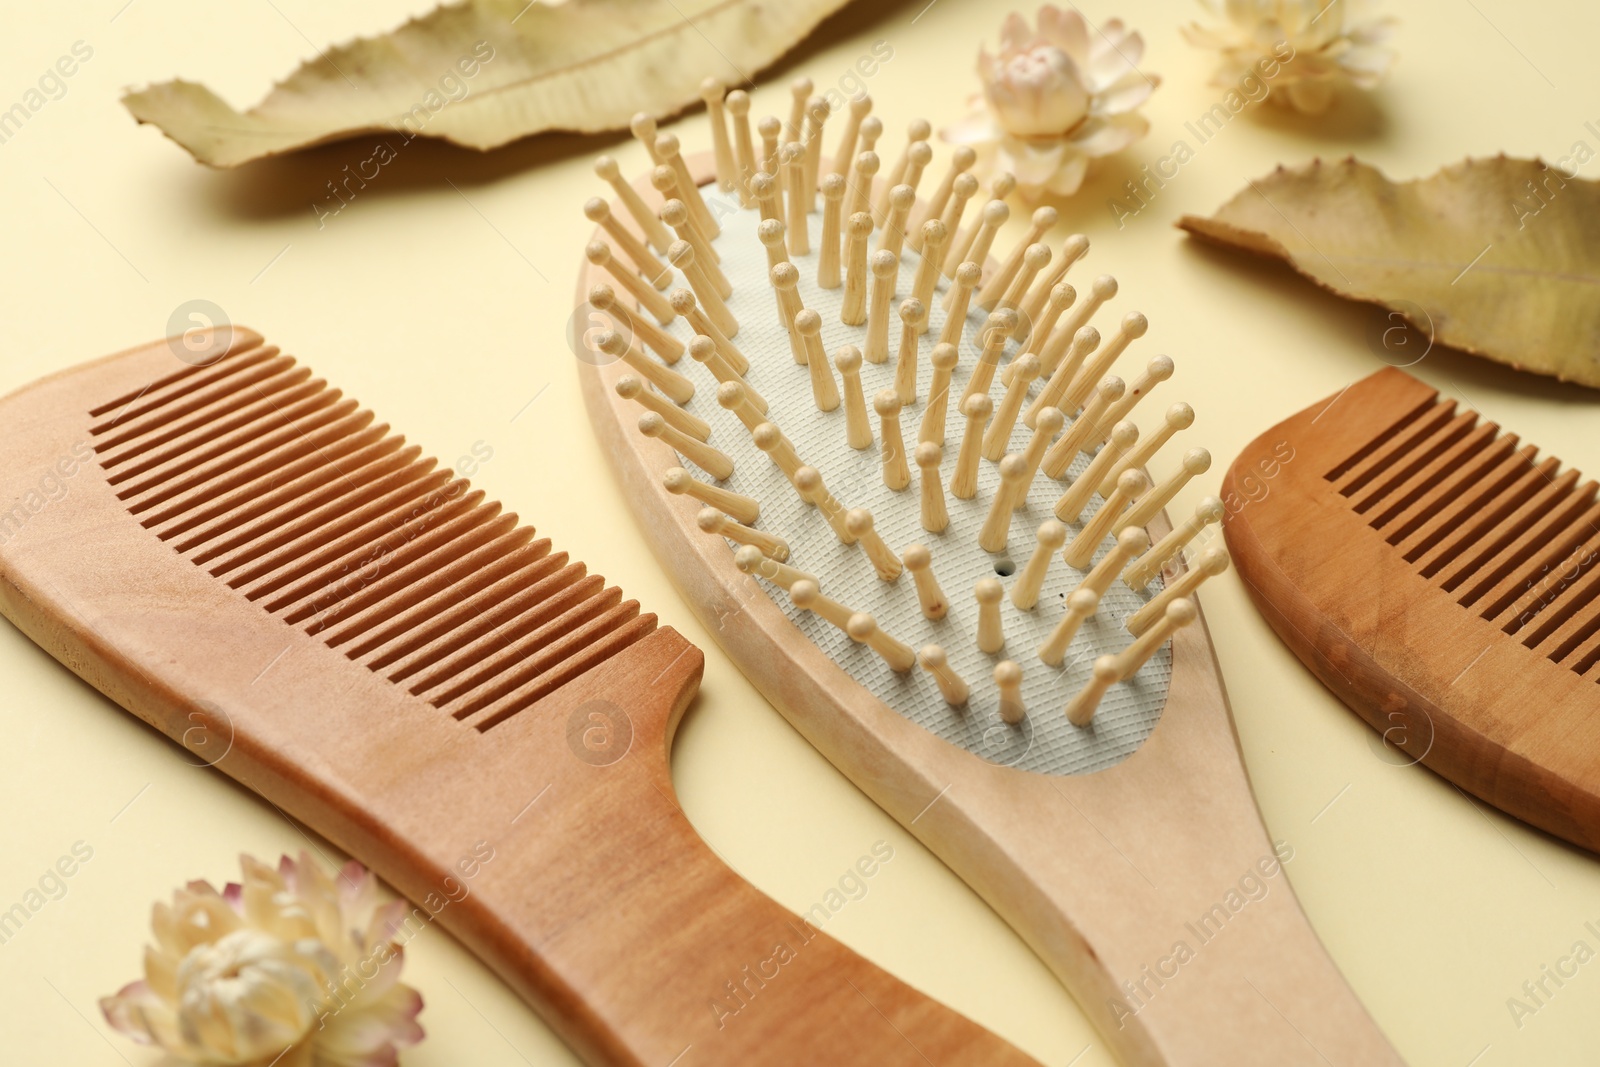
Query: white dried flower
(1056, 98)
(292, 968)
(1315, 46)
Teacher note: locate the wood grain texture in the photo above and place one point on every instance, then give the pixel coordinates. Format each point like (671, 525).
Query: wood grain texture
(1103, 874)
(287, 669)
(1442, 579)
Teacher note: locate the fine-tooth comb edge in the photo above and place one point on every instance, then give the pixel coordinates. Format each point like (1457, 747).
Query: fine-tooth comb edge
(380, 548)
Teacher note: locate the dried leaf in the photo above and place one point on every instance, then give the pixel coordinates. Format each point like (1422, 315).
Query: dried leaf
(582, 65)
(1497, 257)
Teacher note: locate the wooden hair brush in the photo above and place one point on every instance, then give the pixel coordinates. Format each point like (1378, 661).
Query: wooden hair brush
(1442, 579)
(900, 481)
(247, 560)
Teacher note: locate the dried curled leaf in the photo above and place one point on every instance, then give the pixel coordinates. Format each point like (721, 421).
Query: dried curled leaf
(1500, 256)
(484, 72)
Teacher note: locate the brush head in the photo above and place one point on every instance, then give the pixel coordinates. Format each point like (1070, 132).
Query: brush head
(855, 479)
(784, 461)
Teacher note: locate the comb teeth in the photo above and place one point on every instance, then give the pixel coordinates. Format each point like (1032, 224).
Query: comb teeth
(291, 494)
(1507, 535)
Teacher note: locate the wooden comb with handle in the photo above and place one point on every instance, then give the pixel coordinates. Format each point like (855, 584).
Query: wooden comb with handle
(1124, 845)
(1442, 579)
(398, 663)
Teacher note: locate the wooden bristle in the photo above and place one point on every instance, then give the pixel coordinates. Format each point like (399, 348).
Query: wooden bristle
(977, 410)
(792, 164)
(785, 278)
(1094, 368)
(609, 172)
(996, 529)
(975, 249)
(961, 160)
(689, 189)
(1081, 605)
(893, 235)
(722, 146)
(860, 108)
(858, 427)
(1143, 571)
(1176, 614)
(599, 253)
(1008, 680)
(963, 189)
(604, 300)
(817, 112)
(1212, 562)
(768, 195)
(864, 629)
(800, 93)
(1179, 417)
(913, 320)
(1112, 515)
(991, 636)
(951, 685)
(885, 271)
(708, 458)
(1196, 462)
(1072, 250)
(1081, 708)
(631, 388)
(808, 596)
(735, 505)
(809, 484)
(861, 526)
(703, 350)
(1069, 507)
(1086, 428)
(866, 167)
(752, 561)
(858, 228)
(1043, 220)
(737, 104)
(871, 130)
(1051, 536)
(955, 305)
(896, 471)
(930, 595)
(682, 302)
(916, 134)
(771, 130)
(676, 215)
(654, 271)
(712, 521)
(643, 127)
(943, 359)
(828, 259)
(824, 390)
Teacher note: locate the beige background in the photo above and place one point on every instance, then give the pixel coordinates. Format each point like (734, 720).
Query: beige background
(445, 309)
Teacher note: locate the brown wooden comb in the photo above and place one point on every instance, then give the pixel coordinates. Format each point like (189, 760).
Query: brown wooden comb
(407, 669)
(1441, 578)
